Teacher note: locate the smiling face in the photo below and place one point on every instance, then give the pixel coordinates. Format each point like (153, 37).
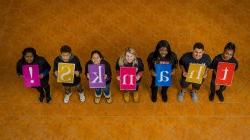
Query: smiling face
(227, 54)
(197, 53)
(29, 57)
(96, 58)
(65, 56)
(163, 51)
(130, 57)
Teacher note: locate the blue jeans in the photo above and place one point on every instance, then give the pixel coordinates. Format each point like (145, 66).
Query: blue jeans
(106, 90)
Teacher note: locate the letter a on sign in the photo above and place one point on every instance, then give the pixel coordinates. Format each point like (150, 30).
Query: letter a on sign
(163, 74)
(127, 78)
(31, 75)
(195, 73)
(65, 73)
(96, 76)
(225, 73)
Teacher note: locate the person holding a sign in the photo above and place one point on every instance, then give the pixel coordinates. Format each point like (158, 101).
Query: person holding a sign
(162, 55)
(133, 71)
(223, 74)
(67, 69)
(99, 78)
(193, 75)
(31, 59)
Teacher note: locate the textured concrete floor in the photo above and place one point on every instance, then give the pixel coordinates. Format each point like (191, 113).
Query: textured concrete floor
(110, 26)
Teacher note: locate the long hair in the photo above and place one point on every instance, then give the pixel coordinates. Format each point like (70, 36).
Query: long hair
(161, 44)
(122, 59)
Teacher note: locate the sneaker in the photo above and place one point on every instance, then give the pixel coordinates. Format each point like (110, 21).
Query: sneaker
(41, 98)
(66, 98)
(82, 97)
(109, 100)
(220, 96)
(136, 96)
(181, 96)
(97, 100)
(164, 97)
(154, 97)
(48, 99)
(126, 96)
(211, 96)
(194, 97)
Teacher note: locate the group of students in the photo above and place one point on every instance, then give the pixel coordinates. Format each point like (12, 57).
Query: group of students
(161, 55)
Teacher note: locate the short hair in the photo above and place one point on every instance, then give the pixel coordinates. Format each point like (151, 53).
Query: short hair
(198, 45)
(230, 46)
(65, 48)
(29, 50)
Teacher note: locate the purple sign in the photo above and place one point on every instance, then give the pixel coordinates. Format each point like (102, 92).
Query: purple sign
(96, 76)
(31, 76)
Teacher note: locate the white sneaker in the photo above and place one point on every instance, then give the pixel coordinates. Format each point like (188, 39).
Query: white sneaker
(82, 97)
(181, 96)
(66, 98)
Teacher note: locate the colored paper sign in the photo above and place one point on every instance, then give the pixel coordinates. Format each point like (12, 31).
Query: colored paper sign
(127, 78)
(195, 73)
(97, 76)
(163, 74)
(65, 73)
(31, 75)
(225, 73)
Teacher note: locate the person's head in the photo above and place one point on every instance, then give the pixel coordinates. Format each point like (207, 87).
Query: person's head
(130, 55)
(229, 51)
(96, 57)
(162, 49)
(29, 54)
(198, 50)
(65, 53)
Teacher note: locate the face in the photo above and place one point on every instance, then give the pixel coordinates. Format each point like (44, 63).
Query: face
(130, 57)
(96, 58)
(29, 57)
(197, 53)
(65, 56)
(163, 51)
(228, 54)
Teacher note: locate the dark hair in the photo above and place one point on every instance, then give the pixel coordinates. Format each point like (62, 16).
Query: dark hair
(161, 44)
(98, 52)
(198, 45)
(29, 50)
(230, 46)
(65, 48)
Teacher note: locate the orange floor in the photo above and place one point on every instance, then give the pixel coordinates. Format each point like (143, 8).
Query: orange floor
(110, 26)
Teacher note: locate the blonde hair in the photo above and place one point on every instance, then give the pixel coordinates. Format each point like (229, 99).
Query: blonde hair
(122, 59)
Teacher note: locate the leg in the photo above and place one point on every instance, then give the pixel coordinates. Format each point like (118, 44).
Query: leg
(47, 91)
(164, 94)
(107, 93)
(195, 89)
(184, 86)
(154, 90)
(41, 91)
(98, 94)
(80, 91)
(67, 93)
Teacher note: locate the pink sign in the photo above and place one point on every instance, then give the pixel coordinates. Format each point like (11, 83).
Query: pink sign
(31, 75)
(127, 78)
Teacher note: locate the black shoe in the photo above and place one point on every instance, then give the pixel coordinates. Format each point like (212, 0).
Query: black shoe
(48, 99)
(154, 98)
(41, 98)
(220, 95)
(211, 96)
(164, 97)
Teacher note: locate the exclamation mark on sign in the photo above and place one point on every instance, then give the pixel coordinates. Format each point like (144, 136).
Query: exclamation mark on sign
(31, 74)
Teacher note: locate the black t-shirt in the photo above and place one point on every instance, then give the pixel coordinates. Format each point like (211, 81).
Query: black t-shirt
(187, 59)
(107, 69)
(72, 60)
(219, 58)
(162, 60)
(44, 68)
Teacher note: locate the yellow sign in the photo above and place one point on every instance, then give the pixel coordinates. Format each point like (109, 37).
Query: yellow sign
(195, 73)
(66, 73)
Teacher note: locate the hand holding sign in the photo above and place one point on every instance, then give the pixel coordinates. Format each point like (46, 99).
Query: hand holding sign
(97, 76)
(127, 78)
(65, 73)
(31, 75)
(195, 73)
(224, 74)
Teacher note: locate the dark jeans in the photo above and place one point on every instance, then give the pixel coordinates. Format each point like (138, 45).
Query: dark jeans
(212, 85)
(106, 90)
(154, 88)
(44, 91)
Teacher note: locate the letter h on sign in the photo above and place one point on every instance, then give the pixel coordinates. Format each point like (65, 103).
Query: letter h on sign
(163, 74)
(127, 78)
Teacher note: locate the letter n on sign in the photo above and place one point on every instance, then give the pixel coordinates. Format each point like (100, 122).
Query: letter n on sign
(225, 73)
(127, 78)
